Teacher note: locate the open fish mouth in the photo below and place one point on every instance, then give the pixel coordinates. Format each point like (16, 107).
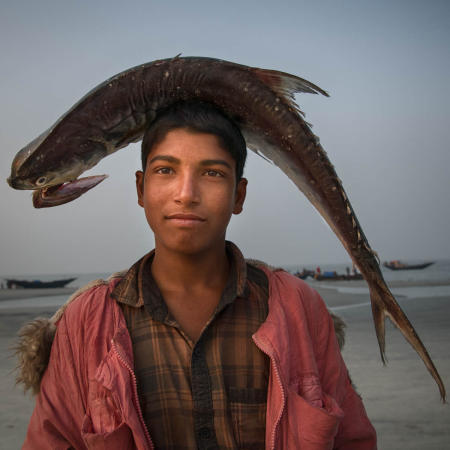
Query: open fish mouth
(65, 192)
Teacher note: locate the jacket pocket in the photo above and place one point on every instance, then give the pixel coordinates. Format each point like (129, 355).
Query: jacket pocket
(102, 409)
(120, 438)
(312, 425)
(248, 414)
(103, 426)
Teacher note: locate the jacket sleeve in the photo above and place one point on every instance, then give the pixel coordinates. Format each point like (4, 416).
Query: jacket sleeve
(56, 421)
(355, 432)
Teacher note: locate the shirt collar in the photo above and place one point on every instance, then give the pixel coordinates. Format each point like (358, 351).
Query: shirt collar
(138, 287)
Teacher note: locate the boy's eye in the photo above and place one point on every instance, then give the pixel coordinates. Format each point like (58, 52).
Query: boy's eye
(213, 173)
(164, 170)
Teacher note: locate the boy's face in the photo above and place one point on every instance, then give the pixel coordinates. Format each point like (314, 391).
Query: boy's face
(189, 191)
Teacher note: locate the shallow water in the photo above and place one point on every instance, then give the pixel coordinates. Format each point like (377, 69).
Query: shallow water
(54, 301)
(405, 291)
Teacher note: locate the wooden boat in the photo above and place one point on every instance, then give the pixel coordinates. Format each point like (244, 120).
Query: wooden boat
(334, 276)
(304, 274)
(398, 265)
(37, 284)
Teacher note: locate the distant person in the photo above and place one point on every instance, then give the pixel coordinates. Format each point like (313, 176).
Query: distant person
(194, 347)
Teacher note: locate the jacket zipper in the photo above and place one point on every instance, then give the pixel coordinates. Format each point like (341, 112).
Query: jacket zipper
(135, 394)
(283, 395)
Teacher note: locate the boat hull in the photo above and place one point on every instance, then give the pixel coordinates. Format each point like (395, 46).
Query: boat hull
(37, 284)
(407, 266)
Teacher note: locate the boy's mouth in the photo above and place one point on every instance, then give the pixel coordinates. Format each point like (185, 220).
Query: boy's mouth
(185, 218)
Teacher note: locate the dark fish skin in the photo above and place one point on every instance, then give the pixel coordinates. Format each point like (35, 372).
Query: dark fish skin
(260, 102)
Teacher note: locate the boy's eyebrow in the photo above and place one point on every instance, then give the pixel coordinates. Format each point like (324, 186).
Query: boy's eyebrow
(213, 162)
(167, 158)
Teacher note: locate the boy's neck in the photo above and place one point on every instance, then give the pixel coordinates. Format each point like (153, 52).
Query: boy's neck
(184, 273)
(191, 285)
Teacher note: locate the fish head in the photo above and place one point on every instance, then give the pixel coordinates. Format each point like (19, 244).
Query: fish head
(52, 188)
(45, 162)
(26, 170)
(51, 170)
(35, 175)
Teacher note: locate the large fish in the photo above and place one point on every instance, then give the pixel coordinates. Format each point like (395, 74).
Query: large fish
(260, 101)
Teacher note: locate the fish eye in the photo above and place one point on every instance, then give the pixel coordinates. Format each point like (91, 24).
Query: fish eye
(41, 180)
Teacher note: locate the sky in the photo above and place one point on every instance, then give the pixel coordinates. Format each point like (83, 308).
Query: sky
(385, 126)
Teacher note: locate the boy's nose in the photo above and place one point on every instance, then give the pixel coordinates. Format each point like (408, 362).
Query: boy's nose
(187, 192)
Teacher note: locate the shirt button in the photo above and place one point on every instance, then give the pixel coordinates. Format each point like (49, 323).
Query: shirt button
(204, 433)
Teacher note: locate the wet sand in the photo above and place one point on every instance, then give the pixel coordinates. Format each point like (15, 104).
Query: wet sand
(17, 294)
(401, 399)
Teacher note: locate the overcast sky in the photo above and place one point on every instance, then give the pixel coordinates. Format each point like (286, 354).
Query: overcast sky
(386, 126)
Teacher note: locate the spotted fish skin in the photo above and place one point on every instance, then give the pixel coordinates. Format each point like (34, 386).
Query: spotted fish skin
(261, 102)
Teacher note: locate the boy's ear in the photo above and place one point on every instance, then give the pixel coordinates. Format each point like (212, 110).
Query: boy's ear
(140, 187)
(241, 192)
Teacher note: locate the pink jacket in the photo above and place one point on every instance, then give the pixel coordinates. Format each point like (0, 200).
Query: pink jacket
(88, 397)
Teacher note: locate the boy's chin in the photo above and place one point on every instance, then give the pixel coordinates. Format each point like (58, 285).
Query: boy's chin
(191, 246)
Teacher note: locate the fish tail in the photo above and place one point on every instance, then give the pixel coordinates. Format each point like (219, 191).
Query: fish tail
(384, 304)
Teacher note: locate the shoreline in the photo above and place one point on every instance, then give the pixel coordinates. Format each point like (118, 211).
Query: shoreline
(391, 284)
(13, 294)
(18, 294)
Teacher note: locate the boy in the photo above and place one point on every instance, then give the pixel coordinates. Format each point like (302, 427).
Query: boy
(194, 347)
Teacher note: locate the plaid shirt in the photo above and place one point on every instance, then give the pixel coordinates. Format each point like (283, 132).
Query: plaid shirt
(209, 394)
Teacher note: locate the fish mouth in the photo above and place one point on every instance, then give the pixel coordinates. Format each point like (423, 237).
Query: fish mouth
(65, 192)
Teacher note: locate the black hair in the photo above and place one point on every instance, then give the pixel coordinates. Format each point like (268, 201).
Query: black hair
(199, 117)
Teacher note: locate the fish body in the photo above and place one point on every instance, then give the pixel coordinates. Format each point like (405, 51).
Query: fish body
(260, 102)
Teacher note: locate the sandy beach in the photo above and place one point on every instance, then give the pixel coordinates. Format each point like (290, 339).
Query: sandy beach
(17, 294)
(401, 399)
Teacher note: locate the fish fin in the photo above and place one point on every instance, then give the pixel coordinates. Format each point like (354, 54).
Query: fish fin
(286, 83)
(262, 155)
(384, 304)
(379, 318)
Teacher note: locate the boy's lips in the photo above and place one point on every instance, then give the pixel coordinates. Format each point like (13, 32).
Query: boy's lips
(185, 218)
